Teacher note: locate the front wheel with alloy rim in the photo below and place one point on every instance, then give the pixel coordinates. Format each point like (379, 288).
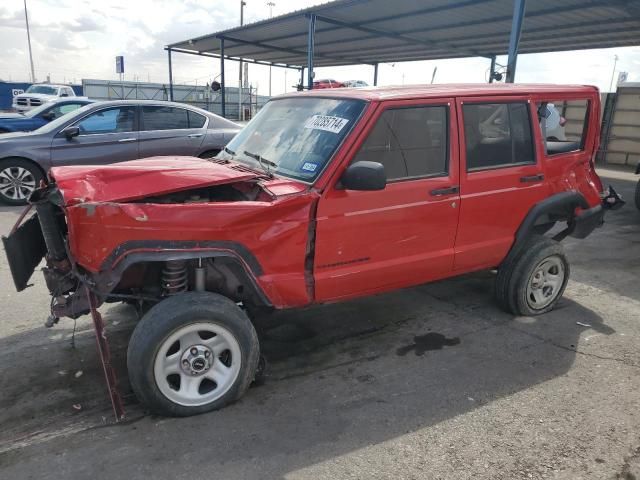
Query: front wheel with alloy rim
(18, 179)
(533, 279)
(192, 353)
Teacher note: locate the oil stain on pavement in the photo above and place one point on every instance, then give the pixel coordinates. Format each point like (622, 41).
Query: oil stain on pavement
(425, 343)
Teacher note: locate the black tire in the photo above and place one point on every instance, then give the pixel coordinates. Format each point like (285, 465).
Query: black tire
(209, 154)
(517, 270)
(638, 195)
(12, 166)
(167, 317)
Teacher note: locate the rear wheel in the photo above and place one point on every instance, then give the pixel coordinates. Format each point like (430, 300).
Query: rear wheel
(18, 179)
(192, 353)
(638, 195)
(534, 278)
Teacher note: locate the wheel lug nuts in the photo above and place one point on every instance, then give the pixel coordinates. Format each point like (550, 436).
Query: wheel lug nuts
(207, 353)
(194, 351)
(185, 363)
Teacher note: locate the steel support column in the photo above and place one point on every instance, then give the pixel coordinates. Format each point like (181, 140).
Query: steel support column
(223, 91)
(170, 76)
(514, 39)
(492, 69)
(311, 35)
(301, 79)
(375, 74)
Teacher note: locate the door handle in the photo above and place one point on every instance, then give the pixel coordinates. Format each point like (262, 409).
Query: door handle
(125, 140)
(444, 191)
(532, 178)
(195, 135)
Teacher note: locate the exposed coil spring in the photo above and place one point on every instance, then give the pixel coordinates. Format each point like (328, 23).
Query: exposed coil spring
(174, 277)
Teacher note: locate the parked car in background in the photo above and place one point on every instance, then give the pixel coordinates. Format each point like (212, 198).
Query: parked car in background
(108, 132)
(323, 197)
(327, 83)
(39, 116)
(555, 124)
(41, 93)
(355, 83)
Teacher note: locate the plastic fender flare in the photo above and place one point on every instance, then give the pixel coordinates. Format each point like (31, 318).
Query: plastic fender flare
(562, 205)
(247, 266)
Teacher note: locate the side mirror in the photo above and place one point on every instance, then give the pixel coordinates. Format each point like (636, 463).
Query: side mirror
(70, 132)
(48, 116)
(364, 175)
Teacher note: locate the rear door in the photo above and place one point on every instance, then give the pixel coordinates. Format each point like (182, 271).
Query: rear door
(501, 177)
(372, 241)
(107, 135)
(168, 130)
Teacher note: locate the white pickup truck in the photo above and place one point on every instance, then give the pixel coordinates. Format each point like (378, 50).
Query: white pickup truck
(40, 94)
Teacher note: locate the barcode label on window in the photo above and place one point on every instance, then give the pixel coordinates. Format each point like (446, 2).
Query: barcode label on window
(326, 123)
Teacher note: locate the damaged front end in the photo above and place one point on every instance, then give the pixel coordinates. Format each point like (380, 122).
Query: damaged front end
(44, 235)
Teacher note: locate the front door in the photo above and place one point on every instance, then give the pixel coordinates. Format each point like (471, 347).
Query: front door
(106, 136)
(372, 241)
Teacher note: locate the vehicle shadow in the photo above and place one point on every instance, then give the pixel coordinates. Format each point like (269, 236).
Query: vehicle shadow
(340, 377)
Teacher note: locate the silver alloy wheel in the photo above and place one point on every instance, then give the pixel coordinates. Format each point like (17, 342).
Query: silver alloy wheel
(16, 183)
(545, 282)
(197, 364)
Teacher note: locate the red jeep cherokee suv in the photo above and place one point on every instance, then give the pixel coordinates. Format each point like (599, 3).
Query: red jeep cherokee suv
(324, 196)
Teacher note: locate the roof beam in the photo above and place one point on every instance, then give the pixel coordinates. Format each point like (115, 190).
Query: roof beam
(236, 59)
(394, 35)
(294, 51)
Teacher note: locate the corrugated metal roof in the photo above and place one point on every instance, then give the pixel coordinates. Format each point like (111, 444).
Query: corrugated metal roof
(373, 31)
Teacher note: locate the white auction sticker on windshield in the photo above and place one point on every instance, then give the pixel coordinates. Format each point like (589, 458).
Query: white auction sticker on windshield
(326, 123)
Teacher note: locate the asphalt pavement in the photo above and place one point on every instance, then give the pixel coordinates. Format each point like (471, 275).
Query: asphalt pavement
(432, 382)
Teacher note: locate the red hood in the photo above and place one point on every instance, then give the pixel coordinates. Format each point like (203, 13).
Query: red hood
(137, 179)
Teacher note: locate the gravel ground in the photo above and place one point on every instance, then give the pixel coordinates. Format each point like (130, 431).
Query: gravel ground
(432, 382)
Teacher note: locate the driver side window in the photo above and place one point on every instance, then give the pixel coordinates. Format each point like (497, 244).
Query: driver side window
(111, 120)
(410, 142)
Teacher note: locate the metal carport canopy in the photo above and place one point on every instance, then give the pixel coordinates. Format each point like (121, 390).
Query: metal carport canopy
(375, 31)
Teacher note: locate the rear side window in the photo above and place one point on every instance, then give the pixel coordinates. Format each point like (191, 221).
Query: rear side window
(409, 142)
(164, 118)
(497, 135)
(196, 120)
(563, 125)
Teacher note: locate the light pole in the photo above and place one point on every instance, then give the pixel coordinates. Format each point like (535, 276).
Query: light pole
(240, 112)
(613, 73)
(26, 19)
(270, 5)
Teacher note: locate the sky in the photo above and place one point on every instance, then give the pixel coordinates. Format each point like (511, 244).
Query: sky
(75, 39)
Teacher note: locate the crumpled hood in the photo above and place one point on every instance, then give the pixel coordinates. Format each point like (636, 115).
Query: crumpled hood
(136, 179)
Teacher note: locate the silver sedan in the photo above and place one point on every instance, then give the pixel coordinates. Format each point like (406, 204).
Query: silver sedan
(108, 132)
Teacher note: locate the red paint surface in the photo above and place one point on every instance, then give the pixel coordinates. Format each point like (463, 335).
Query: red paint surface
(366, 242)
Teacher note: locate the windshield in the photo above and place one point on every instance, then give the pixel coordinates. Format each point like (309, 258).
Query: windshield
(294, 137)
(58, 122)
(42, 89)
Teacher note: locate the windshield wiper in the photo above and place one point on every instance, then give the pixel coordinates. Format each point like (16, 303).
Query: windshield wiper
(261, 160)
(230, 152)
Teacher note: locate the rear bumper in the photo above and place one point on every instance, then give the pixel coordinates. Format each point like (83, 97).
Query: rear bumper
(587, 221)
